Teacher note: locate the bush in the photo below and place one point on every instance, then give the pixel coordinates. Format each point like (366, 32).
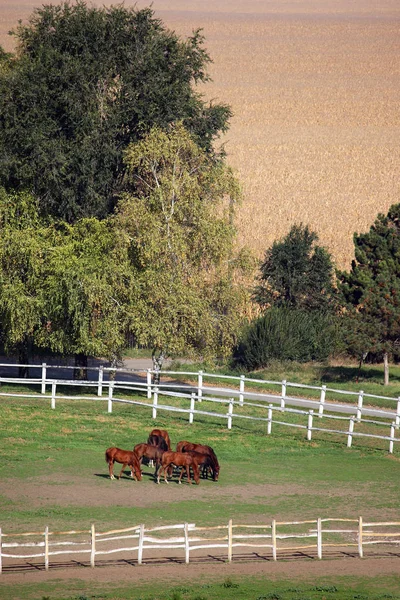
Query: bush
(286, 334)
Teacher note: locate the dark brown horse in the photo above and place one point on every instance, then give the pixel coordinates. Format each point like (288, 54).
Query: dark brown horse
(151, 452)
(126, 458)
(180, 459)
(164, 434)
(212, 464)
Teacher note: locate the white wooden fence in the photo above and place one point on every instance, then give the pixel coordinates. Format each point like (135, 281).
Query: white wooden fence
(279, 539)
(219, 406)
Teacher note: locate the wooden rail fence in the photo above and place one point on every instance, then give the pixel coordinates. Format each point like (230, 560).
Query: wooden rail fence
(201, 403)
(139, 541)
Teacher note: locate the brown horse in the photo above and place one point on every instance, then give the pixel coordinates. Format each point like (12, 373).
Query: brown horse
(164, 434)
(212, 464)
(180, 459)
(126, 458)
(152, 452)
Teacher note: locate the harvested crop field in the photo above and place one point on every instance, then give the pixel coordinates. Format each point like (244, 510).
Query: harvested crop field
(315, 90)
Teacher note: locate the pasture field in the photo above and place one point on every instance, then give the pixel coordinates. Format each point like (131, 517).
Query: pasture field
(53, 472)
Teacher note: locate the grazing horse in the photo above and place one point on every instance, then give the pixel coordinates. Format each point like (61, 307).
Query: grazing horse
(179, 459)
(212, 464)
(152, 452)
(164, 434)
(158, 442)
(124, 457)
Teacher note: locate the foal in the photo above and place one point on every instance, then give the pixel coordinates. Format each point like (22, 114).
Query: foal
(180, 459)
(126, 458)
(152, 452)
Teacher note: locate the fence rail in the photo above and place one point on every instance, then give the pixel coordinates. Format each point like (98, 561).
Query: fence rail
(221, 402)
(276, 537)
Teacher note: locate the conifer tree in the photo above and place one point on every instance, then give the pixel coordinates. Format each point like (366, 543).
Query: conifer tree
(371, 289)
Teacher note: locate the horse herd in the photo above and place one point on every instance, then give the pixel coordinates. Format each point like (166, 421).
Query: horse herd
(198, 457)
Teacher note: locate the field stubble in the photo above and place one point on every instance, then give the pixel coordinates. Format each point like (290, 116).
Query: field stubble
(314, 88)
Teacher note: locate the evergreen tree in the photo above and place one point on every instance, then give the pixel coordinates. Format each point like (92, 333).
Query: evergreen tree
(83, 84)
(297, 274)
(371, 290)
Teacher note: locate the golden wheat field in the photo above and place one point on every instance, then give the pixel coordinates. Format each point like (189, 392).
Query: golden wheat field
(315, 90)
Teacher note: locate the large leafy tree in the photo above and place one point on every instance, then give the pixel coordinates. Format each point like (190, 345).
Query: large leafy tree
(83, 84)
(371, 289)
(178, 209)
(66, 288)
(297, 274)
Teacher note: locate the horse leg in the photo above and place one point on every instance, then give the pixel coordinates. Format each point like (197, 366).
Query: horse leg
(123, 467)
(110, 469)
(188, 474)
(180, 476)
(196, 474)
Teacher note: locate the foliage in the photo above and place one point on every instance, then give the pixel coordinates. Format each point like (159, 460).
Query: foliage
(178, 210)
(296, 273)
(370, 292)
(84, 83)
(24, 246)
(62, 287)
(285, 334)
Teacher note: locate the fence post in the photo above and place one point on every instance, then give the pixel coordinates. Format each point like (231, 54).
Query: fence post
(230, 411)
(44, 370)
(241, 390)
(269, 426)
(192, 401)
(273, 538)
(230, 540)
(360, 537)
(93, 546)
(398, 413)
(155, 402)
(186, 530)
(110, 395)
(322, 401)
(1, 553)
(309, 424)
(46, 548)
(53, 394)
(140, 549)
(392, 428)
(200, 386)
(350, 434)
(360, 405)
(283, 394)
(319, 538)
(100, 381)
(148, 375)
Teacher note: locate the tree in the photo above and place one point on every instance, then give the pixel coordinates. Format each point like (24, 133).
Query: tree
(296, 274)
(86, 292)
(178, 211)
(83, 84)
(371, 290)
(23, 247)
(66, 288)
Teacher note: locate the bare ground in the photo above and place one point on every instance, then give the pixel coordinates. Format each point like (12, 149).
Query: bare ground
(168, 566)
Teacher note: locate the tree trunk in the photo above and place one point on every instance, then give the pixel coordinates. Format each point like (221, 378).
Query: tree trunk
(81, 363)
(386, 368)
(23, 359)
(157, 365)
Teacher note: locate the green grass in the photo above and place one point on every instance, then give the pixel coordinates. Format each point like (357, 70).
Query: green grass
(229, 588)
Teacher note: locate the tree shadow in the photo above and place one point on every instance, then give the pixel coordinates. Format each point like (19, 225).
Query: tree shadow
(343, 374)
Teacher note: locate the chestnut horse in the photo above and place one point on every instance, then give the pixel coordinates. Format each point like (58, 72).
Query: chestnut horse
(152, 452)
(180, 459)
(126, 458)
(164, 434)
(212, 464)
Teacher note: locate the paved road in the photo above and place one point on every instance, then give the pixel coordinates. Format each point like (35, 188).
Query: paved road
(135, 373)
